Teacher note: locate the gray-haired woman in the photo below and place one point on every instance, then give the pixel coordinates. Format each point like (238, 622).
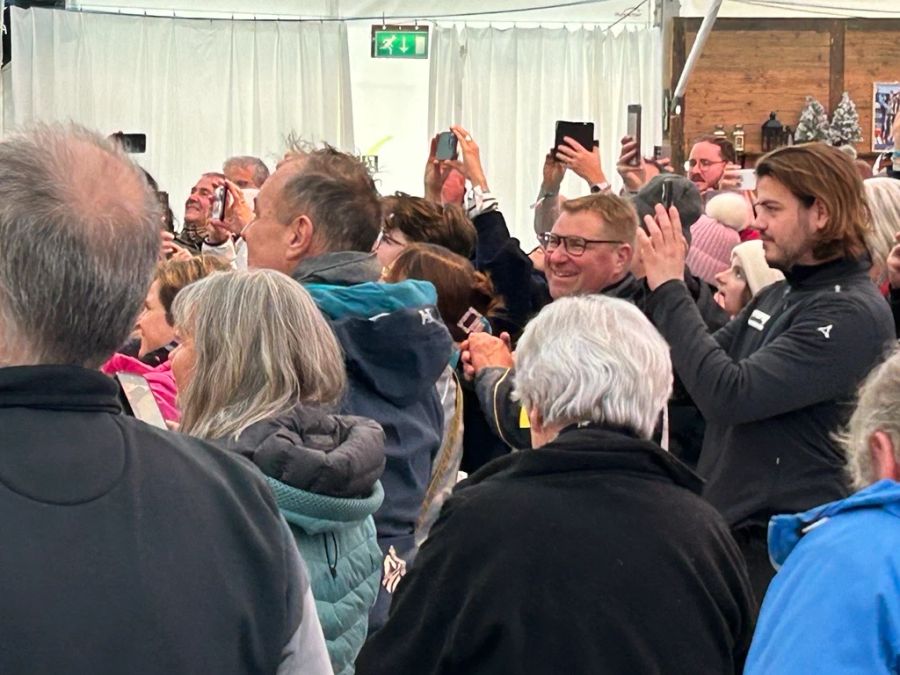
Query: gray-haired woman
(257, 368)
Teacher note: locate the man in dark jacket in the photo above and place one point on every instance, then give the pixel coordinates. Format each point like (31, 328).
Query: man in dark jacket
(126, 548)
(775, 383)
(597, 218)
(592, 553)
(317, 220)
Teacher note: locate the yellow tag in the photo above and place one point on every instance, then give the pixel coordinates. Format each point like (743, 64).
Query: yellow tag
(524, 422)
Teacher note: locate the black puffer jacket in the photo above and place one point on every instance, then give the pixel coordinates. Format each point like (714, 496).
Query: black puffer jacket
(305, 448)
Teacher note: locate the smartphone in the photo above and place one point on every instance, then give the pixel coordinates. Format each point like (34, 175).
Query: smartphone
(472, 321)
(138, 401)
(446, 146)
(748, 179)
(133, 143)
(217, 210)
(583, 132)
(634, 130)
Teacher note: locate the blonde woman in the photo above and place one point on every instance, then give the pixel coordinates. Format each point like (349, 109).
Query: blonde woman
(883, 198)
(257, 368)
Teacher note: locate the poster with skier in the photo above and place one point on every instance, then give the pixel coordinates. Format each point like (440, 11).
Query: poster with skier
(885, 107)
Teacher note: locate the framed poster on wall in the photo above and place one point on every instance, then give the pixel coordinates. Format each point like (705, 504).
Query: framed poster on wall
(885, 108)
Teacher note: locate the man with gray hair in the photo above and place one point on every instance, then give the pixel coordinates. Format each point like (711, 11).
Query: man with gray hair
(593, 552)
(126, 549)
(246, 172)
(834, 605)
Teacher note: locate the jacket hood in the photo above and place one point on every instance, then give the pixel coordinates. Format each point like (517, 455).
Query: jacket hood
(393, 338)
(366, 300)
(593, 448)
(786, 531)
(310, 450)
(344, 267)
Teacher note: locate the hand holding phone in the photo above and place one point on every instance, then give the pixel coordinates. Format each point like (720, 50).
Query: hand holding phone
(634, 130)
(583, 132)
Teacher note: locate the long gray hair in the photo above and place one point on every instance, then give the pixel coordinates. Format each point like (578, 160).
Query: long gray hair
(260, 347)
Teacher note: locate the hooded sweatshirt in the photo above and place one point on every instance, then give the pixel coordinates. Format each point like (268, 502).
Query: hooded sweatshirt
(395, 348)
(834, 607)
(324, 472)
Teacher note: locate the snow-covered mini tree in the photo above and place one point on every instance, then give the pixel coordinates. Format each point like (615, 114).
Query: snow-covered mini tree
(845, 123)
(813, 124)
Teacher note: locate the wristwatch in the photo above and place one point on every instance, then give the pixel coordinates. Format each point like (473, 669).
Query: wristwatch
(600, 187)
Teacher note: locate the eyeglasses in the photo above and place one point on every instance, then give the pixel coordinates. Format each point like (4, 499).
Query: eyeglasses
(385, 238)
(575, 246)
(704, 163)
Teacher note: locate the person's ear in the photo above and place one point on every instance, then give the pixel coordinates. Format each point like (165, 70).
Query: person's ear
(819, 215)
(299, 238)
(884, 462)
(624, 255)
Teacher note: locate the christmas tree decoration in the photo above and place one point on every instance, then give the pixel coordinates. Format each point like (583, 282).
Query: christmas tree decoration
(845, 127)
(813, 124)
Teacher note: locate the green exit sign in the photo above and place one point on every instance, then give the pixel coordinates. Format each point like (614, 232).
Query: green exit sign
(400, 42)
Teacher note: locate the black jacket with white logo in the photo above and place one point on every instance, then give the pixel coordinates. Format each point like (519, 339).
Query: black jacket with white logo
(776, 382)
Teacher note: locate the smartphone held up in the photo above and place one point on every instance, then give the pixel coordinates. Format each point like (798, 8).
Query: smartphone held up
(634, 130)
(447, 146)
(217, 210)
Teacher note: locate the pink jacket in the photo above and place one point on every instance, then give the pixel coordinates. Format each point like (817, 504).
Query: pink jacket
(160, 379)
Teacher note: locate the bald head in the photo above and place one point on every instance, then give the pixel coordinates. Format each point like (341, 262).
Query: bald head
(80, 233)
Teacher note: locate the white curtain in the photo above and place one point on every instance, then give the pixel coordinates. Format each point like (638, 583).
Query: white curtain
(508, 88)
(201, 90)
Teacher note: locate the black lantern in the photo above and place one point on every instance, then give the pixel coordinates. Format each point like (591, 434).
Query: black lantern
(772, 133)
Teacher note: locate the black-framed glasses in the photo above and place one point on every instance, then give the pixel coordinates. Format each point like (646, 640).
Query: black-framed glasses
(575, 246)
(384, 237)
(704, 163)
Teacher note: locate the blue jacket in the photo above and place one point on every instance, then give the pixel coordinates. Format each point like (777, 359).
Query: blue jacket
(395, 347)
(834, 606)
(324, 472)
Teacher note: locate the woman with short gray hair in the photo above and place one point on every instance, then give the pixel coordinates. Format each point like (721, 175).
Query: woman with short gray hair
(257, 369)
(597, 540)
(589, 360)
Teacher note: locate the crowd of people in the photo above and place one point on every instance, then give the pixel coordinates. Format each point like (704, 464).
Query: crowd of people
(397, 441)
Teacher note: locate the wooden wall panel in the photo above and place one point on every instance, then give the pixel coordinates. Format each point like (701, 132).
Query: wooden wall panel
(745, 74)
(869, 56)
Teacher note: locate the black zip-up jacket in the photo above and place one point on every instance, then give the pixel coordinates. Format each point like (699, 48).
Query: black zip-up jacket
(776, 382)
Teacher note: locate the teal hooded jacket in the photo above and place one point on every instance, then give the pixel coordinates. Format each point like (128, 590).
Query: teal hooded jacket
(324, 471)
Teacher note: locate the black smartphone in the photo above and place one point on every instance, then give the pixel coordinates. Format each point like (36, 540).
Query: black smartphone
(446, 146)
(137, 399)
(634, 130)
(583, 132)
(217, 210)
(133, 143)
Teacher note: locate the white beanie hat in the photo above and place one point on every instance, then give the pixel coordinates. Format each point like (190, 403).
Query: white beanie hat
(752, 259)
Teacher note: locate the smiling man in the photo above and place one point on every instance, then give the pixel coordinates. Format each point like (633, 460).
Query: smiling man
(197, 210)
(775, 383)
(590, 247)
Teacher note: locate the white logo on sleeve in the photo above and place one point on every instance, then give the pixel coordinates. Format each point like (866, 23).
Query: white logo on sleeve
(826, 330)
(758, 319)
(427, 315)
